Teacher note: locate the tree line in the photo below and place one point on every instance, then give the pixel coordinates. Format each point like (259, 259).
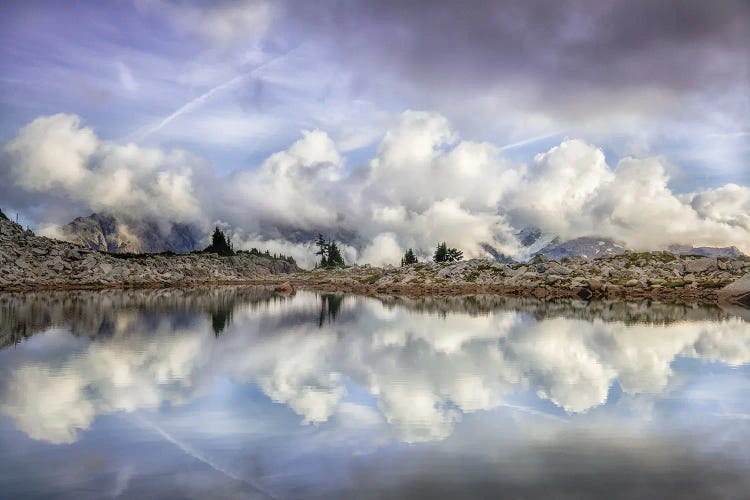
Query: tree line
(443, 253)
(330, 254)
(222, 245)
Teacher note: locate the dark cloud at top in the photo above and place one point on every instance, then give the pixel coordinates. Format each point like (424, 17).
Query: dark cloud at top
(549, 50)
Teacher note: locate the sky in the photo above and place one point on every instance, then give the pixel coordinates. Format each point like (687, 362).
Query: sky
(389, 124)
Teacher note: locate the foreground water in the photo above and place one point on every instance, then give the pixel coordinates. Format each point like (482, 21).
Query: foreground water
(234, 392)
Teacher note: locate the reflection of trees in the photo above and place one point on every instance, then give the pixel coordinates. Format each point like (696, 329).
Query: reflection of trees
(330, 304)
(221, 318)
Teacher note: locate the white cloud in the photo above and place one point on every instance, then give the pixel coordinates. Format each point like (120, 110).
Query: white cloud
(56, 155)
(424, 185)
(384, 249)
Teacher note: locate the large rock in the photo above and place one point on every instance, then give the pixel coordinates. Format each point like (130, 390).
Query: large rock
(702, 265)
(737, 293)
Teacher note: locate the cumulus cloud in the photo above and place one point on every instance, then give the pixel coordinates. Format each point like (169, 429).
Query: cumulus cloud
(56, 155)
(424, 184)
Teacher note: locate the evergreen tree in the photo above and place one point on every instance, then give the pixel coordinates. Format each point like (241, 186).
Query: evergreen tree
(220, 244)
(322, 245)
(335, 258)
(441, 253)
(454, 255)
(409, 258)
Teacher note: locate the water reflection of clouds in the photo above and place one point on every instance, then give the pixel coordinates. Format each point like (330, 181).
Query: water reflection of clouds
(425, 372)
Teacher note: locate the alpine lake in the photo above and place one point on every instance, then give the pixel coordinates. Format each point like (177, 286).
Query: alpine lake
(237, 392)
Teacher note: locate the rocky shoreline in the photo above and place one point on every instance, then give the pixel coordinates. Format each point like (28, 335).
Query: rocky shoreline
(657, 276)
(29, 262)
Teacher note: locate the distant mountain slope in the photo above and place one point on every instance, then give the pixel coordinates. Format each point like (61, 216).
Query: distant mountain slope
(590, 248)
(117, 235)
(535, 242)
(732, 252)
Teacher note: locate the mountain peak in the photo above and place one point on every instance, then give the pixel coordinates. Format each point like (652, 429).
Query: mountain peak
(115, 234)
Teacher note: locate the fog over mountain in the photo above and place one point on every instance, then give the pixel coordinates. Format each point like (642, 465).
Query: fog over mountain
(122, 235)
(385, 125)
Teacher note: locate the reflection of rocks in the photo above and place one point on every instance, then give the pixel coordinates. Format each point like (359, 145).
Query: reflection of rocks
(93, 314)
(626, 312)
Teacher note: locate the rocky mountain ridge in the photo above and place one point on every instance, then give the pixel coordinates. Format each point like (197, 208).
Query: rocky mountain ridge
(28, 261)
(535, 242)
(113, 234)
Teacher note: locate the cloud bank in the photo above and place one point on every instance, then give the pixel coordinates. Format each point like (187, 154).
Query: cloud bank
(424, 184)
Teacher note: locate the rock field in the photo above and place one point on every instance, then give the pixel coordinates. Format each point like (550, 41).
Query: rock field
(29, 262)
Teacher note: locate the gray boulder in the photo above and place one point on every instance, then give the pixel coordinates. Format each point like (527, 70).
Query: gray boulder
(702, 265)
(737, 292)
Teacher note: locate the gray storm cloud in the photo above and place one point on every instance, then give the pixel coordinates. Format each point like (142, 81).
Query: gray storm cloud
(553, 62)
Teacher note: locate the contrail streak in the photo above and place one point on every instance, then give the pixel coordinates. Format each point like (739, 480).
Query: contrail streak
(530, 140)
(190, 451)
(203, 98)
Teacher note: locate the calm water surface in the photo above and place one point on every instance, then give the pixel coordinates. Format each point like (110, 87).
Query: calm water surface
(236, 393)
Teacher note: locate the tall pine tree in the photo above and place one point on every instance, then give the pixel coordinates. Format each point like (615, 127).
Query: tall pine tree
(322, 245)
(441, 252)
(335, 259)
(220, 244)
